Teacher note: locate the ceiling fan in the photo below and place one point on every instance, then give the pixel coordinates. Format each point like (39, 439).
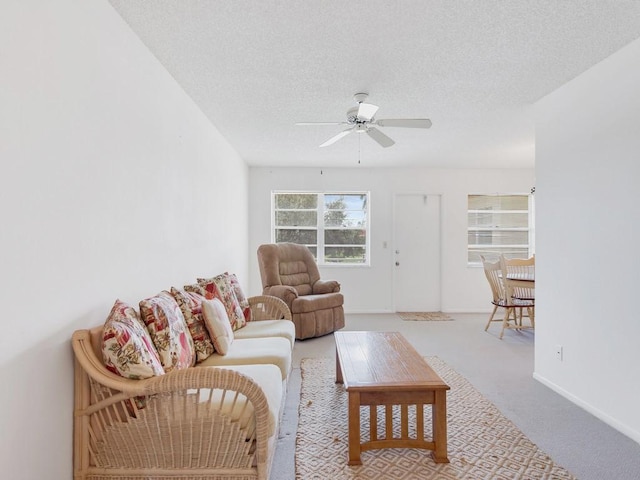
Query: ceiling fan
(361, 120)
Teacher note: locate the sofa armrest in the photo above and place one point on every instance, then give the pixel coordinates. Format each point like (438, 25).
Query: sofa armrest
(285, 293)
(326, 286)
(268, 307)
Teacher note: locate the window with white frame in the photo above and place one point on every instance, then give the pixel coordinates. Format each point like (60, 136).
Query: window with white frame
(498, 225)
(334, 225)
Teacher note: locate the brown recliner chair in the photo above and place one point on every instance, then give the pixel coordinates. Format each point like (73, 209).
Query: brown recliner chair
(289, 272)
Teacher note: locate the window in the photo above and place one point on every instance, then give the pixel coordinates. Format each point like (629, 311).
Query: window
(498, 224)
(333, 225)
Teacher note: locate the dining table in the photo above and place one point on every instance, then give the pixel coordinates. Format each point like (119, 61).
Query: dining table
(519, 280)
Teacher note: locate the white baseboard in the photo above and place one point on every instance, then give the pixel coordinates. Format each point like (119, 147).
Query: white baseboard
(612, 422)
(361, 312)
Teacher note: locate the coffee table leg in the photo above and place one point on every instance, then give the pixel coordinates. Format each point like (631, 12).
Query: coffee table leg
(338, 369)
(439, 415)
(354, 428)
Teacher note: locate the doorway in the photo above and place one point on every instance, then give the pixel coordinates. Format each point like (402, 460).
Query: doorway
(416, 252)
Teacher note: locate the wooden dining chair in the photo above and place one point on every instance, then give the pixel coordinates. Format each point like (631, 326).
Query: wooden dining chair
(522, 268)
(518, 278)
(513, 311)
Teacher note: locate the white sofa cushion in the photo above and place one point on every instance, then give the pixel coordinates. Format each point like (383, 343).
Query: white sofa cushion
(248, 351)
(268, 379)
(268, 328)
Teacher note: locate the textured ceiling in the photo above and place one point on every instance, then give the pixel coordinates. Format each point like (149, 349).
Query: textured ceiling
(474, 67)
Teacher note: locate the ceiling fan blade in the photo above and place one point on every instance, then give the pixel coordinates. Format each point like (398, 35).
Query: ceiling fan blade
(379, 137)
(366, 111)
(404, 122)
(337, 137)
(321, 123)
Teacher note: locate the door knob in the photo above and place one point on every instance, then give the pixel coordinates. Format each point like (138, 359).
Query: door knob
(397, 264)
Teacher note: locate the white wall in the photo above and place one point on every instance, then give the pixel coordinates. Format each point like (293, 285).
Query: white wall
(369, 289)
(587, 260)
(113, 184)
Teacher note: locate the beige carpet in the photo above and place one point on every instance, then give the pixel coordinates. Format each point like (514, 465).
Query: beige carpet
(424, 316)
(483, 444)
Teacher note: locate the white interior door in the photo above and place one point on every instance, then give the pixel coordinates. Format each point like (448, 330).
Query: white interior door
(417, 253)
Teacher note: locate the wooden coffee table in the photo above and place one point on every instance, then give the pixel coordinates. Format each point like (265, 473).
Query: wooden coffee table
(382, 368)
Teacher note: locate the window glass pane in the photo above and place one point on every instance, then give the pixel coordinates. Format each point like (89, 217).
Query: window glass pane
(474, 256)
(304, 237)
(498, 202)
(492, 237)
(296, 218)
(345, 210)
(515, 252)
(344, 255)
(492, 255)
(498, 219)
(345, 237)
(345, 218)
(345, 201)
(296, 200)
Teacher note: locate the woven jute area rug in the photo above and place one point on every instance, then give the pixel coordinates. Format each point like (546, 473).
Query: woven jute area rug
(424, 316)
(483, 444)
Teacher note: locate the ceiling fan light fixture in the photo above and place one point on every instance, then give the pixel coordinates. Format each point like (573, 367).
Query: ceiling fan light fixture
(366, 111)
(352, 115)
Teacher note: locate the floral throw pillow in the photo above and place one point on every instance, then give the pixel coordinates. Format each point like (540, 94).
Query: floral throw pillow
(218, 325)
(127, 349)
(168, 330)
(221, 288)
(190, 304)
(199, 289)
(242, 298)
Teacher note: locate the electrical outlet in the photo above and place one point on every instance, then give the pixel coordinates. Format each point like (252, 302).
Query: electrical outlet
(559, 352)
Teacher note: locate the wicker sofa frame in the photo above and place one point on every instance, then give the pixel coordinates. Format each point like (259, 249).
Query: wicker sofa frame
(185, 425)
